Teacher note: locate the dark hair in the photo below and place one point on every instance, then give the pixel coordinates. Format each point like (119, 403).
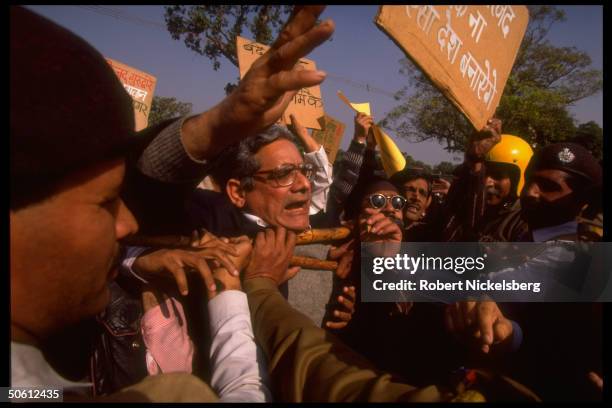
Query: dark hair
(239, 162)
(411, 173)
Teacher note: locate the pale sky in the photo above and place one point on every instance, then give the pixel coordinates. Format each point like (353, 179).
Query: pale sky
(358, 54)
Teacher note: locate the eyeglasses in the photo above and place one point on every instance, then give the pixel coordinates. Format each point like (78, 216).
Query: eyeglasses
(285, 175)
(380, 201)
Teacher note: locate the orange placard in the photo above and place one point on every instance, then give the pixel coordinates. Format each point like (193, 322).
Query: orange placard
(466, 51)
(329, 136)
(140, 86)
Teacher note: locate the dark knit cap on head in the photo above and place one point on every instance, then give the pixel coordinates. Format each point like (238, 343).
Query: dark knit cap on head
(378, 184)
(68, 109)
(569, 157)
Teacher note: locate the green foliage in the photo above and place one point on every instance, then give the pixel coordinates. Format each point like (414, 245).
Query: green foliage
(445, 168)
(211, 30)
(411, 162)
(590, 135)
(544, 82)
(164, 108)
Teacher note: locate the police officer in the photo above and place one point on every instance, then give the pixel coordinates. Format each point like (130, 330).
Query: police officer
(562, 349)
(559, 182)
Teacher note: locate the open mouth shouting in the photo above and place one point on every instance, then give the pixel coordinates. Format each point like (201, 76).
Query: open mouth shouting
(413, 208)
(298, 207)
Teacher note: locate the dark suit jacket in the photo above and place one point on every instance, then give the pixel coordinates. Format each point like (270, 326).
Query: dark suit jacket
(213, 211)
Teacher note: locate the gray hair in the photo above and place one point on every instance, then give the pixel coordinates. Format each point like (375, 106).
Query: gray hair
(239, 162)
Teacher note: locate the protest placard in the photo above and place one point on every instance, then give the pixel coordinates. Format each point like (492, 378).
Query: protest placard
(140, 86)
(330, 135)
(466, 51)
(307, 104)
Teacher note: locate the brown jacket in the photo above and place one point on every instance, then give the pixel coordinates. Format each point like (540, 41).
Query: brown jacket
(307, 363)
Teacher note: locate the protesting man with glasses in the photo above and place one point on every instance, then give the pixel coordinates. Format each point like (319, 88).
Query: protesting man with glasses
(374, 196)
(265, 183)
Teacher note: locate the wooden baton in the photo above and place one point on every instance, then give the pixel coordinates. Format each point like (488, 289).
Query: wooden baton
(313, 263)
(313, 236)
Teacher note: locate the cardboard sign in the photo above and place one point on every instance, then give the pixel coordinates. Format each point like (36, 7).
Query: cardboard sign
(306, 105)
(329, 136)
(140, 86)
(466, 51)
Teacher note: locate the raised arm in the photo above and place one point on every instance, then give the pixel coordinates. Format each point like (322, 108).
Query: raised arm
(264, 93)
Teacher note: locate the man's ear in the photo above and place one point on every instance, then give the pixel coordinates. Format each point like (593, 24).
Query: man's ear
(235, 193)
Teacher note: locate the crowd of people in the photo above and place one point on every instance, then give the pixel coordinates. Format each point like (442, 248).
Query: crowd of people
(106, 305)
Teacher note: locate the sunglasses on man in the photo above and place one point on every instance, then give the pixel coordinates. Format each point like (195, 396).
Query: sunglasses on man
(380, 201)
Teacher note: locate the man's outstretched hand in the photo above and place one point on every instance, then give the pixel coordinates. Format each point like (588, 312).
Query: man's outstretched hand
(482, 323)
(265, 91)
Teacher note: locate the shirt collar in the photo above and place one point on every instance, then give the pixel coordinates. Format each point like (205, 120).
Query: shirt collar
(548, 233)
(259, 221)
(256, 219)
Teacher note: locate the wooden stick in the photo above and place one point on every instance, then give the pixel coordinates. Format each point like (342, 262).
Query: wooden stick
(180, 241)
(321, 235)
(313, 263)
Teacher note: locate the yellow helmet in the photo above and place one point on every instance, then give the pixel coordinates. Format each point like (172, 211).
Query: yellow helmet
(512, 150)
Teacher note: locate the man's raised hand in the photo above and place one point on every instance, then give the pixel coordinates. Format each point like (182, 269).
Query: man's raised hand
(265, 91)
